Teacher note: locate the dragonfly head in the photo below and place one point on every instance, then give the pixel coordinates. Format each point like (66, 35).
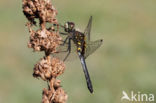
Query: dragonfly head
(69, 26)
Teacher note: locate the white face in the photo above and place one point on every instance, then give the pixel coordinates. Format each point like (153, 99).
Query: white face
(66, 25)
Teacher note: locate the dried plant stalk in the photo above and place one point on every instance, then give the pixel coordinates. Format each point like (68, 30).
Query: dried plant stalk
(47, 40)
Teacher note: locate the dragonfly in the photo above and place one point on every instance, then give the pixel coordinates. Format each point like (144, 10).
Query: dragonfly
(82, 43)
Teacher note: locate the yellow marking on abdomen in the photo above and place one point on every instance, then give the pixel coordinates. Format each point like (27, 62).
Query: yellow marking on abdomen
(79, 43)
(79, 49)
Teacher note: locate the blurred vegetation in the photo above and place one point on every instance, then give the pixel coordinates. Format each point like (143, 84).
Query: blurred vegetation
(126, 60)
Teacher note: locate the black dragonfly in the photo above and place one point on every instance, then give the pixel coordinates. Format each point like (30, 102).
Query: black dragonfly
(83, 46)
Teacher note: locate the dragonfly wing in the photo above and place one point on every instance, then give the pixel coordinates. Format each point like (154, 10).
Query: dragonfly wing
(88, 29)
(62, 52)
(92, 46)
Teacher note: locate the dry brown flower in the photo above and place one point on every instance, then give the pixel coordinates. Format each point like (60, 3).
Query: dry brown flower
(54, 95)
(41, 9)
(47, 68)
(44, 40)
(60, 96)
(47, 40)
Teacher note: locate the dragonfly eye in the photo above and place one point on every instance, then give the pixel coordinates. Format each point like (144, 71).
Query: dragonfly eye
(71, 25)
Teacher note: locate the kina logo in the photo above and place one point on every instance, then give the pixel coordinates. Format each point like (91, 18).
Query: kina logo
(138, 96)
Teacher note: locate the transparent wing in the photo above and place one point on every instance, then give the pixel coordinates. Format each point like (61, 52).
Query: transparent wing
(88, 29)
(92, 46)
(62, 52)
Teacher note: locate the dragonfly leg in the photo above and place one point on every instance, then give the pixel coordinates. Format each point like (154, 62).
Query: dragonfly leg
(65, 40)
(63, 33)
(61, 26)
(69, 49)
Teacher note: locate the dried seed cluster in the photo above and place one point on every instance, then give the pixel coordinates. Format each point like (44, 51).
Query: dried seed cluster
(58, 97)
(42, 9)
(47, 40)
(48, 68)
(44, 40)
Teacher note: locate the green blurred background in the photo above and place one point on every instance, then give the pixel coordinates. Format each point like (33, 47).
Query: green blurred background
(125, 61)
